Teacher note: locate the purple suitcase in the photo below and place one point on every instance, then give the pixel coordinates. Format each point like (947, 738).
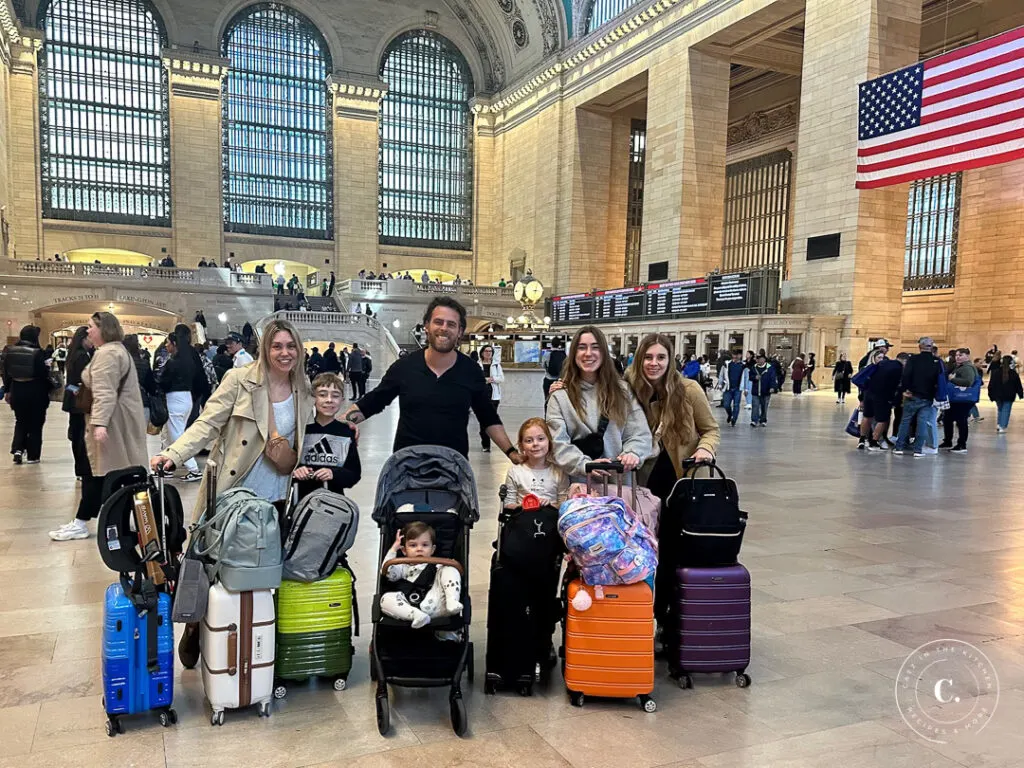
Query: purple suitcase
(712, 623)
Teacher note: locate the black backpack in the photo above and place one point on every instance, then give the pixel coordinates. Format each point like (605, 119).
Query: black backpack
(704, 526)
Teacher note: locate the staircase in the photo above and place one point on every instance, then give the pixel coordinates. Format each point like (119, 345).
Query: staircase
(345, 328)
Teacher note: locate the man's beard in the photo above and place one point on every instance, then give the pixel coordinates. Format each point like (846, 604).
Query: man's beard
(441, 343)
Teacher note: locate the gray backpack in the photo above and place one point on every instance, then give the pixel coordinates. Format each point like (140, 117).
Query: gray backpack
(241, 541)
(321, 528)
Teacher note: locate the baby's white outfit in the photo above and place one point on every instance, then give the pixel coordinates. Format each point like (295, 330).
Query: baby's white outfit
(442, 599)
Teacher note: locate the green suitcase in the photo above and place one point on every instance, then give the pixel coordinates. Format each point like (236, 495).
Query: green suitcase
(314, 630)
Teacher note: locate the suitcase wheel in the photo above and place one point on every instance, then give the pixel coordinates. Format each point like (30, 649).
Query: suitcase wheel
(458, 711)
(685, 682)
(383, 713)
(280, 691)
(168, 718)
(576, 699)
(217, 718)
(647, 703)
(264, 709)
(340, 684)
(742, 679)
(114, 726)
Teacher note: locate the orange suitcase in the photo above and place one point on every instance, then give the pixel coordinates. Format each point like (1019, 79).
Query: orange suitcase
(609, 648)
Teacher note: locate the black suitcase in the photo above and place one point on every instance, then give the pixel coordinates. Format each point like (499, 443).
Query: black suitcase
(522, 601)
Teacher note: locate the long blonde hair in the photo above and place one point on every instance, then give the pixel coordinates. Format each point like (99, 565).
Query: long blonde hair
(665, 400)
(612, 402)
(298, 377)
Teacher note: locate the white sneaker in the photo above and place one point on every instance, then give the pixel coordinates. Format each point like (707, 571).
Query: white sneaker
(926, 451)
(192, 477)
(76, 529)
(1000, 430)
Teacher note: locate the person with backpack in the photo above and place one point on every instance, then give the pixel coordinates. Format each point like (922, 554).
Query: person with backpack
(367, 370)
(269, 399)
(26, 377)
(762, 384)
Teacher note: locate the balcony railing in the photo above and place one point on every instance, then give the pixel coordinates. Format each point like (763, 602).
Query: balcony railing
(377, 288)
(209, 276)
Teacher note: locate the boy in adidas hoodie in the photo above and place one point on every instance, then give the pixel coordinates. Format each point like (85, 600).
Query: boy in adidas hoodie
(329, 454)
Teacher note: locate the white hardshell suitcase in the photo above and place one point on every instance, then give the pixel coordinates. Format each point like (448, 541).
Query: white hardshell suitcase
(237, 641)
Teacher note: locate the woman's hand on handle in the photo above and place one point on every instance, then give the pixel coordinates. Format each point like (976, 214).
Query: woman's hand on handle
(597, 474)
(629, 461)
(301, 473)
(702, 454)
(161, 462)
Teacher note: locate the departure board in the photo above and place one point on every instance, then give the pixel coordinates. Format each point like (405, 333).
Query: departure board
(730, 293)
(619, 304)
(574, 308)
(678, 297)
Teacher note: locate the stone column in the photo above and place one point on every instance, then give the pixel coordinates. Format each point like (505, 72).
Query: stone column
(356, 149)
(25, 214)
(488, 264)
(845, 43)
(197, 211)
(684, 177)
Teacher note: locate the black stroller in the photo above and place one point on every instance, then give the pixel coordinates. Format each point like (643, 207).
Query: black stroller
(434, 485)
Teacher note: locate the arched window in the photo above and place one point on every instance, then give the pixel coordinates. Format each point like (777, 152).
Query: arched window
(426, 159)
(105, 143)
(603, 11)
(277, 128)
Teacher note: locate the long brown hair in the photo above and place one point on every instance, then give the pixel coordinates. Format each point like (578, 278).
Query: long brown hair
(663, 401)
(612, 402)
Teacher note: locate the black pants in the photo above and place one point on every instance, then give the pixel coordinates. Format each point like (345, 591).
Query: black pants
(76, 434)
(547, 388)
(957, 414)
(358, 383)
(810, 380)
(797, 386)
(485, 439)
(29, 418)
(92, 497)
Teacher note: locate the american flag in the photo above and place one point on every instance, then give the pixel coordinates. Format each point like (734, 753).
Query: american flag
(963, 109)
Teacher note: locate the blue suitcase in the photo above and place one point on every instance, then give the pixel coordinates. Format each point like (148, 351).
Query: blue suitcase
(132, 680)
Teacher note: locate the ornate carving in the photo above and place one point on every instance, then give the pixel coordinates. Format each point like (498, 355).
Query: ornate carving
(757, 125)
(483, 40)
(519, 34)
(549, 26)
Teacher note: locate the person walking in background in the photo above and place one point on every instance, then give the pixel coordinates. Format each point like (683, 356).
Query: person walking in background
(494, 377)
(1004, 387)
(797, 370)
(734, 380)
(26, 377)
(975, 413)
(147, 382)
(553, 367)
(842, 371)
(60, 356)
(749, 363)
(235, 345)
(762, 377)
(809, 372)
(79, 354)
(115, 424)
(780, 372)
(330, 286)
(964, 374)
(355, 372)
(177, 379)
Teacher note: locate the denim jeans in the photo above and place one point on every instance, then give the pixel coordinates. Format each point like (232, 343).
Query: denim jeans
(731, 402)
(1004, 407)
(747, 393)
(926, 431)
(759, 412)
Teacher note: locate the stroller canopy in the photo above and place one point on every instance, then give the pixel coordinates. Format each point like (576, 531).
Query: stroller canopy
(431, 467)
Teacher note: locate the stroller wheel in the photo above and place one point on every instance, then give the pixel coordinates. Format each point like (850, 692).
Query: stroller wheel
(459, 721)
(383, 714)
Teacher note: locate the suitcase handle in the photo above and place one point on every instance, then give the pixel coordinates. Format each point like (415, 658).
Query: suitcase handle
(612, 466)
(690, 467)
(232, 650)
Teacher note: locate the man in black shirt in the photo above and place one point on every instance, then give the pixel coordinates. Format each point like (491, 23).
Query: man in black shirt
(436, 387)
(920, 385)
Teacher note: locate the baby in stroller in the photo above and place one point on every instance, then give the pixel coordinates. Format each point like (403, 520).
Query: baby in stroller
(424, 590)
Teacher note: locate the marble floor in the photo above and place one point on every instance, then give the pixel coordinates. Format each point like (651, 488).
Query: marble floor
(857, 559)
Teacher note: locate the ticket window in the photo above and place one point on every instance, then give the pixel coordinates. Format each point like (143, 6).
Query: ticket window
(689, 344)
(711, 346)
(786, 346)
